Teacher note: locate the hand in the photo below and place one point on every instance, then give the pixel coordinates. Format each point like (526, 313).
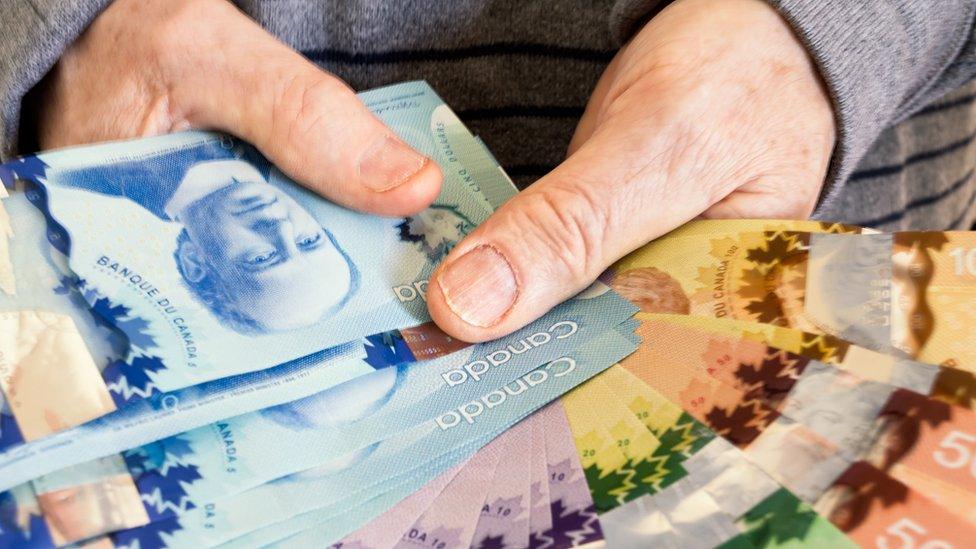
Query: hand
(714, 109)
(148, 67)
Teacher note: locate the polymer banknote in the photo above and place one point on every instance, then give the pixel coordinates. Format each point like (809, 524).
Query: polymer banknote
(908, 294)
(569, 518)
(334, 426)
(503, 517)
(387, 529)
(170, 413)
(504, 504)
(818, 430)
(886, 492)
(201, 292)
(723, 500)
(942, 382)
(922, 285)
(390, 459)
(394, 468)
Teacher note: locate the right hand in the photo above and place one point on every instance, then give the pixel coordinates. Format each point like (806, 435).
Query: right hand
(147, 67)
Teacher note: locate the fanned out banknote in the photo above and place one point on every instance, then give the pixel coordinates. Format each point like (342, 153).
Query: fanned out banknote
(735, 433)
(335, 426)
(658, 477)
(906, 294)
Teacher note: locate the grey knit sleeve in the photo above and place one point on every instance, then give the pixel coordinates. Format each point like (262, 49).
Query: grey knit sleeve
(882, 60)
(35, 34)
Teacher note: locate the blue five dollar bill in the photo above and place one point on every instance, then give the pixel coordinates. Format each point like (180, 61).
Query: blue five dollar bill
(202, 261)
(385, 472)
(329, 428)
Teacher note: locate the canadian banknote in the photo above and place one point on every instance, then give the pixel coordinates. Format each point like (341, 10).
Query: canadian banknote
(942, 382)
(334, 426)
(452, 519)
(388, 474)
(201, 292)
(590, 313)
(571, 506)
(820, 431)
(504, 511)
(503, 519)
(907, 294)
(570, 518)
(388, 528)
(724, 500)
(922, 285)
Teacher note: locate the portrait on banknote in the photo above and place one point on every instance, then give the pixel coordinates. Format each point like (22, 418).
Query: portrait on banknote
(246, 249)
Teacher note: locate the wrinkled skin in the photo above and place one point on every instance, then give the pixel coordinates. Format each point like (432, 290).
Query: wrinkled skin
(713, 109)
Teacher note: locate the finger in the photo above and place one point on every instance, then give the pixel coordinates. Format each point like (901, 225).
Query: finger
(555, 238)
(306, 121)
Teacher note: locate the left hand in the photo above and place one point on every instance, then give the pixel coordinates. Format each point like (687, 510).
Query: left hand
(714, 109)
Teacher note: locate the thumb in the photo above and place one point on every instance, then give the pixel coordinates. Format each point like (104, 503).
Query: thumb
(552, 240)
(306, 121)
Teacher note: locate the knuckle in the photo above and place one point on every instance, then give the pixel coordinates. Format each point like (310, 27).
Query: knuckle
(564, 225)
(175, 26)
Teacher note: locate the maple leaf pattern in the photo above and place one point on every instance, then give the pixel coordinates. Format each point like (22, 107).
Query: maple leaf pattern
(777, 247)
(149, 536)
(490, 542)
(752, 284)
(21, 521)
(663, 469)
(120, 317)
(137, 331)
(719, 357)
(124, 376)
(823, 348)
(36, 533)
(162, 471)
(387, 349)
(572, 527)
(773, 377)
(678, 443)
(767, 310)
(778, 279)
(955, 386)
(127, 378)
(110, 312)
(65, 286)
(740, 425)
(779, 519)
(651, 471)
(10, 434)
(607, 489)
(178, 447)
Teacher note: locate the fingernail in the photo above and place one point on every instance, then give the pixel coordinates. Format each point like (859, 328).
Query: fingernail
(479, 286)
(389, 164)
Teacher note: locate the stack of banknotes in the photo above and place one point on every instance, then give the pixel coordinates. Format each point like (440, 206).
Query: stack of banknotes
(195, 351)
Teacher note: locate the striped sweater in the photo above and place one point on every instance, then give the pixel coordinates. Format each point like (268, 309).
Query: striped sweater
(900, 74)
